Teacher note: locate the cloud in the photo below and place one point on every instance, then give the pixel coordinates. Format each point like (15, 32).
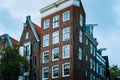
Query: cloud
(116, 9)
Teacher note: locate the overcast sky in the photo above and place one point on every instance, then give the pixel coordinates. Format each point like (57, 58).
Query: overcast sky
(105, 13)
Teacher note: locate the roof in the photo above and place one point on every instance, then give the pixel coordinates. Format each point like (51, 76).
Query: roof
(35, 28)
(14, 42)
(38, 30)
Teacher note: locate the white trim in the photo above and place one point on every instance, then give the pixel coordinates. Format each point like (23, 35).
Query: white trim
(58, 71)
(43, 56)
(63, 70)
(43, 73)
(57, 6)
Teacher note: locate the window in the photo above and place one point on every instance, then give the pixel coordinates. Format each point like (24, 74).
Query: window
(80, 54)
(56, 37)
(46, 23)
(81, 20)
(27, 34)
(34, 61)
(55, 71)
(45, 56)
(46, 40)
(86, 58)
(45, 73)
(66, 69)
(80, 36)
(55, 54)
(34, 45)
(56, 21)
(66, 33)
(86, 41)
(91, 48)
(86, 73)
(90, 63)
(94, 51)
(66, 16)
(27, 51)
(66, 51)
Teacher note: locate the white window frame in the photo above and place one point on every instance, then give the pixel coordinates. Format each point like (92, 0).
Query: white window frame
(63, 69)
(68, 51)
(48, 56)
(66, 33)
(80, 53)
(53, 54)
(43, 73)
(80, 36)
(55, 37)
(68, 16)
(53, 71)
(81, 20)
(46, 39)
(46, 26)
(56, 21)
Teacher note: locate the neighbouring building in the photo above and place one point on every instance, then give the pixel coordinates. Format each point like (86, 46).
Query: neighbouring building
(68, 48)
(6, 41)
(30, 48)
(107, 67)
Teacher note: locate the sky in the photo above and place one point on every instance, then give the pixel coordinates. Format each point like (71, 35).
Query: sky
(105, 13)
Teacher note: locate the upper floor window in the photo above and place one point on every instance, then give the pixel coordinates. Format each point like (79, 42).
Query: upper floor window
(66, 51)
(66, 16)
(45, 73)
(45, 56)
(27, 34)
(66, 69)
(34, 45)
(46, 23)
(91, 48)
(81, 20)
(66, 33)
(86, 58)
(80, 53)
(46, 40)
(80, 36)
(56, 37)
(55, 54)
(55, 71)
(56, 21)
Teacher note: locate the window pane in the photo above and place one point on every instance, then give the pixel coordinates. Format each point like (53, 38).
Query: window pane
(66, 69)
(45, 73)
(80, 36)
(55, 53)
(55, 71)
(45, 56)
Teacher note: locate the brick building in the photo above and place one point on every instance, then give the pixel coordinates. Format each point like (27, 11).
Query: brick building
(68, 48)
(30, 48)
